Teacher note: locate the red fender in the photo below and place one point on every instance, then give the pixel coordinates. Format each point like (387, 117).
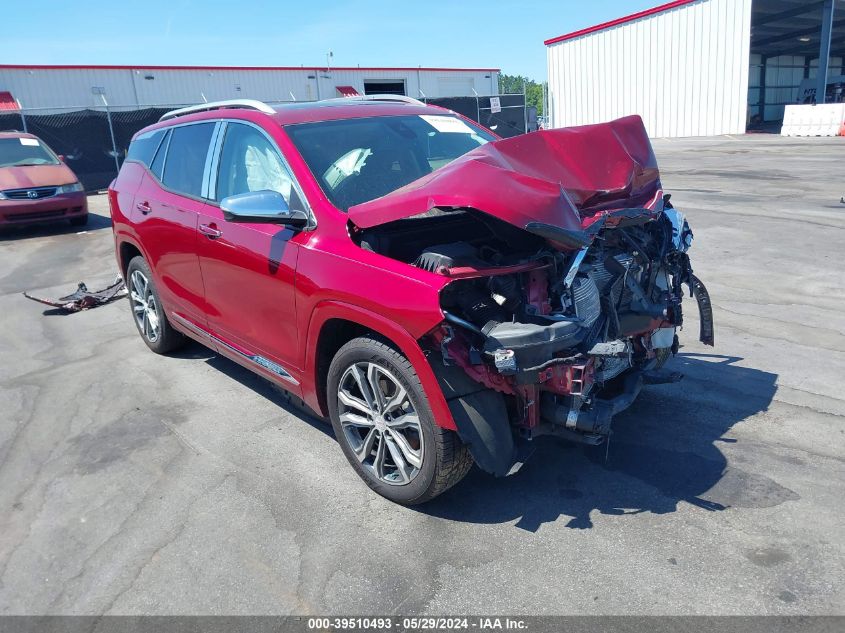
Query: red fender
(400, 337)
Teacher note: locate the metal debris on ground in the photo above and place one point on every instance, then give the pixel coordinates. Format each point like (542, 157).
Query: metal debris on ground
(84, 299)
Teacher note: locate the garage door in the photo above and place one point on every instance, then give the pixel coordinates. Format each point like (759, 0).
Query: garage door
(455, 86)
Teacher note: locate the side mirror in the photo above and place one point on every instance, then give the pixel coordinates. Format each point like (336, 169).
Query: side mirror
(268, 207)
(62, 158)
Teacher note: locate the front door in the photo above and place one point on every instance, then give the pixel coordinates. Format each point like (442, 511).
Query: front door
(249, 269)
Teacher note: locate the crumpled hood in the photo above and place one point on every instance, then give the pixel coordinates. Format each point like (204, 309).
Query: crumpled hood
(544, 177)
(35, 176)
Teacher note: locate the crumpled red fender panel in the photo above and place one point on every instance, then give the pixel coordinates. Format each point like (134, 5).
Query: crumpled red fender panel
(547, 176)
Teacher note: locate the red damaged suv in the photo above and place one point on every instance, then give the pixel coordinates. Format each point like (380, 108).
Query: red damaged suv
(36, 185)
(443, 296)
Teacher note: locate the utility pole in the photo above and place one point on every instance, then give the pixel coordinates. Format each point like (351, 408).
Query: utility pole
(102, 92)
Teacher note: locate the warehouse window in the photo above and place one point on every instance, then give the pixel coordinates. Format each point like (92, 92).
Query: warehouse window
(384, 87)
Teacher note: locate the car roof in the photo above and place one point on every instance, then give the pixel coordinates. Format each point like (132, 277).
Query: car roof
(16, 134)
(334, 109)
(302, 112)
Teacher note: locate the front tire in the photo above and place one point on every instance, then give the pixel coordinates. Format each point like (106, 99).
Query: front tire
(384, 425)
(148, 311)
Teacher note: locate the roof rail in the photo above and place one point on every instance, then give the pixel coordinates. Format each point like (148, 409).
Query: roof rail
(402, 98)
(247, 104)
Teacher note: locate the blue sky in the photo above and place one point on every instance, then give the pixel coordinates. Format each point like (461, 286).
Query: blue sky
(468, 33)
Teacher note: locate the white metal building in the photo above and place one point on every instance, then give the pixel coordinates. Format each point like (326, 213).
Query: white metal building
(82, 86)
(695, 67)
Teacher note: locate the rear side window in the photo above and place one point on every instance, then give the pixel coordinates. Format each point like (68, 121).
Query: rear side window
(158, 162)
(186, 155)
(144, 147)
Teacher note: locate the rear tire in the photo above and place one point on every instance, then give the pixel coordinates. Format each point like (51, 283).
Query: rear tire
(81, 220)
(385, 427)
(148, 311)
(662, 356)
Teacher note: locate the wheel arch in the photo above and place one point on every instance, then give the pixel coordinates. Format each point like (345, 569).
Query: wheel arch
(126, 249)
(333, 324)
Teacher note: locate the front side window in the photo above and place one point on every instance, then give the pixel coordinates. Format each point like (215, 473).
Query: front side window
(358, 160)
(250, 162)
(185, 160)
(25, 152)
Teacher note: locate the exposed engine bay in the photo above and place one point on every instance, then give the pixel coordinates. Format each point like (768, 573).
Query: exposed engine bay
(551, 327)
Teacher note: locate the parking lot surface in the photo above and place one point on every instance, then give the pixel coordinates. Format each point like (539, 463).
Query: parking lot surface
(137, 484)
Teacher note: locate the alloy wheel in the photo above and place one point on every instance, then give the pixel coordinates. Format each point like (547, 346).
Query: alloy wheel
(144, 306)
(380, 423)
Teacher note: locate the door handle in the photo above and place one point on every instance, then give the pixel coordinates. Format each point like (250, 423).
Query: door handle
(210, 231)
(144, 207)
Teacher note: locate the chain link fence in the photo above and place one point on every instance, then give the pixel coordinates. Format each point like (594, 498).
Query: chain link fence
(94, 140)
(508, 118)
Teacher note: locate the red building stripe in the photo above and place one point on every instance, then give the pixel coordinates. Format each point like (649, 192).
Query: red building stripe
(311, 68)
(618, 21)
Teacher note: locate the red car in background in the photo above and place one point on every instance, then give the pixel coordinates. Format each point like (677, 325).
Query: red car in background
(443, 296)
(36, 185)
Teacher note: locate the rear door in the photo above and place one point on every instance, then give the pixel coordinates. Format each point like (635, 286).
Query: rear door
(166, 213)
(249, 268)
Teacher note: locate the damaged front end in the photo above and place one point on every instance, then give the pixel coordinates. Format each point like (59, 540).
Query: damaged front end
(555, 315)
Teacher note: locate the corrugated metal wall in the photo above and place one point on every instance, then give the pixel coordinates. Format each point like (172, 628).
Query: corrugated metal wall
(72, 87)
(685, 71)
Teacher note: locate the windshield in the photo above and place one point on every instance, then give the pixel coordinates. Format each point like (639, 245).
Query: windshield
(358, 160)
(21, 152)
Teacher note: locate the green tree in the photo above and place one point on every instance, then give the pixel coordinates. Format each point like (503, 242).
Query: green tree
(513, 84)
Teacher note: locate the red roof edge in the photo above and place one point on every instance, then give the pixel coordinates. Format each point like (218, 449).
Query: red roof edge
(7, 101)
(618, 21)
(311, 68)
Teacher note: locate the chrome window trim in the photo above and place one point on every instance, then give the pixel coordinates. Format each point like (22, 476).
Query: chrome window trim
(167, 138)
(214, 171)
(312, 218)
(205, 190)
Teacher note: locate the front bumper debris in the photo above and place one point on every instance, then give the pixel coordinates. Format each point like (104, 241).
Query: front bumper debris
(84, 299)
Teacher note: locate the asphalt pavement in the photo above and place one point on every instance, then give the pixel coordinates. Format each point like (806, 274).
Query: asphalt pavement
(137, 484)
